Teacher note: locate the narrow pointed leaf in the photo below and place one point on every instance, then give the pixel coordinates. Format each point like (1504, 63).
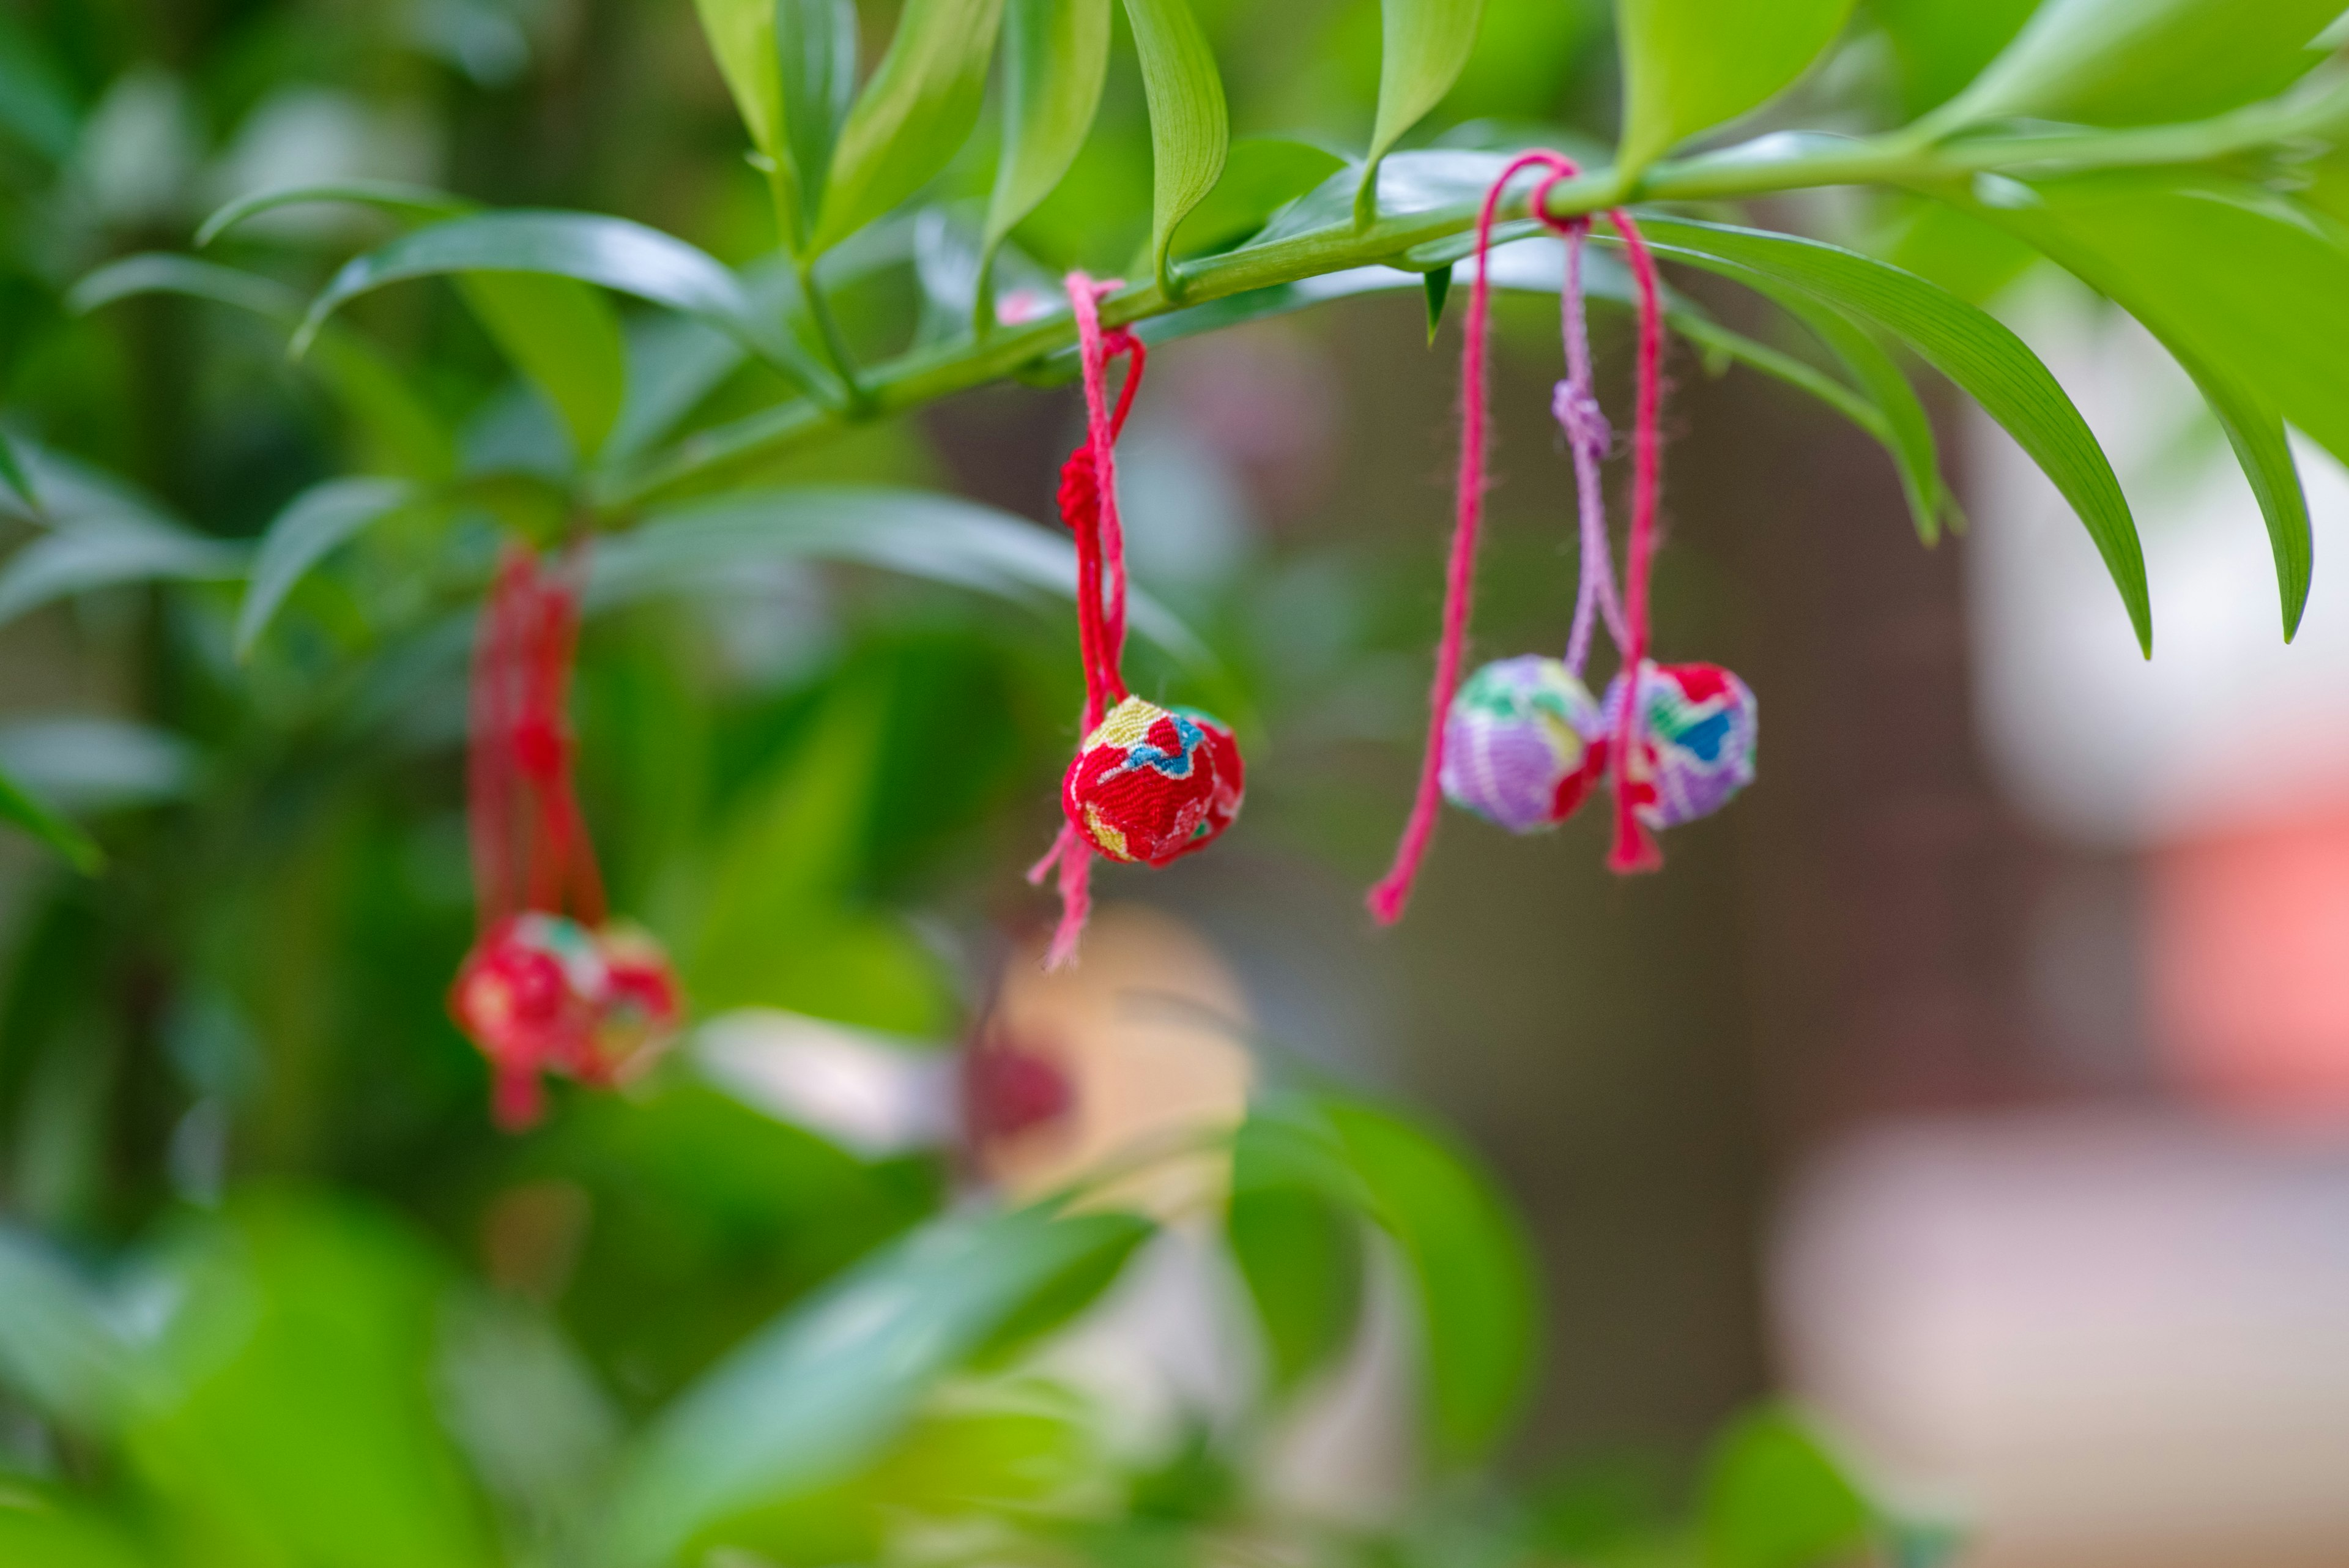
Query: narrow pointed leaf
(391, 195)
(1437, 285)
(1691, 65)
(742, 35)
(2146, 245)
(158, 272)
(2124, 61)
(611, 252)
(311, 525)
(97, 555)
(1967, 345)
(1055, 59)
(562, 336)
(1190, 131)
(1423, 45)
(81, 852)
(815, 42)
(922, 101)
(13, 475)
(816, 1394)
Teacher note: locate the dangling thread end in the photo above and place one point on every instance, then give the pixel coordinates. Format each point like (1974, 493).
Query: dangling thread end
(1076, 905)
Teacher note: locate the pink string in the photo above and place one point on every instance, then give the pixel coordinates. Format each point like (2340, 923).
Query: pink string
(1576, 409)
(1088, 501)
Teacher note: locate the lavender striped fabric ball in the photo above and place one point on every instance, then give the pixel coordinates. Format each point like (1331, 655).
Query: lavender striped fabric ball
(1516, 744)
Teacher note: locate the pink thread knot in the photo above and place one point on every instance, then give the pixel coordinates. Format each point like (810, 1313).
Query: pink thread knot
(1577, 412)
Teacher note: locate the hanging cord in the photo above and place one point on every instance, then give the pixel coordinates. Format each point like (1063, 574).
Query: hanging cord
(1577, 408)
(1088, 499)
(530, 844)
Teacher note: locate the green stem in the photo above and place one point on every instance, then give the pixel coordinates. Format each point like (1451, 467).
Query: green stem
(1769, 165)
(835, 346)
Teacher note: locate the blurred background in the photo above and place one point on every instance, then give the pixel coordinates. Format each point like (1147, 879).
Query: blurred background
(1980, 1080)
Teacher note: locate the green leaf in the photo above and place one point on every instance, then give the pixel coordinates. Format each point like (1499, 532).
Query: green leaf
(1436, 282)
(815, 41)
(44, 1526)
(1189, 132)
(13, 474)
(392, 196)
(36, 99)
(922, 101)
(1055, 59)
(564, 337)
(1775, 1498)
(1691, 65)
(98, 554)
(300, 535)
(1943, 44)
(299, 1424)
(1423, 45)
(397, 430)
(2125, 61)
(1262, 175)
(1965, 344)
(821, 1391)
(57, 1349)
(1298, 1251)
(2242, 293)
(742, 35)
(917, 532)
(1469, 1262)
(611, 253)
(87, 762)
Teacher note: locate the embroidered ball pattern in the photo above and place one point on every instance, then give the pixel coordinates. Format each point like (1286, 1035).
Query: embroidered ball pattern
(1516, 744)
(542, 993)
(1151, 784)
(1700, 723)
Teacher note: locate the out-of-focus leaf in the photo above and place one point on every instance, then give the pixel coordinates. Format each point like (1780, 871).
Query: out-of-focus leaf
(1775, 1498)
(299, 1424)
(36, 101)
(817, 42)
(1189, 129)
(85, 763)
(921, 102)
(611, 252)
(57, 1351)
(917, 532)
(392, 196)
(1691, 65)
(13, 474)
(1262, 175)
(1965, 344)
(1055, 59)
(1423, 45)
(817, 1394)
(1469, 1265)
(397, 430)
(300, 535)
(526, 1408)
(42, 1527)
(673, 364)
(103, 554)
(2121, 61)
(78, 848)
(742, 35)
(564, 337)
(2243, 293)
(1300, 1253)
(160, 272)
(1409, 182)
(1943, 44)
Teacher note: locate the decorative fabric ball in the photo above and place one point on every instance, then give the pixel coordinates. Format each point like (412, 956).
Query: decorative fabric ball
(1516, 744)
(1699, 726)
(542, 993)
(1151, 784)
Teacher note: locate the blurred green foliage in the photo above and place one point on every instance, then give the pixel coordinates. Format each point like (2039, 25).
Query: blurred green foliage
(271, 1292)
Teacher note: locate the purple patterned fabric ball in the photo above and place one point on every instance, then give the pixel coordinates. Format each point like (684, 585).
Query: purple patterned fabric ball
(1516, 744)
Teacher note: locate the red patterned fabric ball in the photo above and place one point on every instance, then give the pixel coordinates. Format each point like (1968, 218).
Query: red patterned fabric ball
(1151, 783)
(541, 993)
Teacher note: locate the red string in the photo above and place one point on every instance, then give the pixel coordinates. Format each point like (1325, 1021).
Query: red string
(530, 844)
(1634, 850)
(1088, 499)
